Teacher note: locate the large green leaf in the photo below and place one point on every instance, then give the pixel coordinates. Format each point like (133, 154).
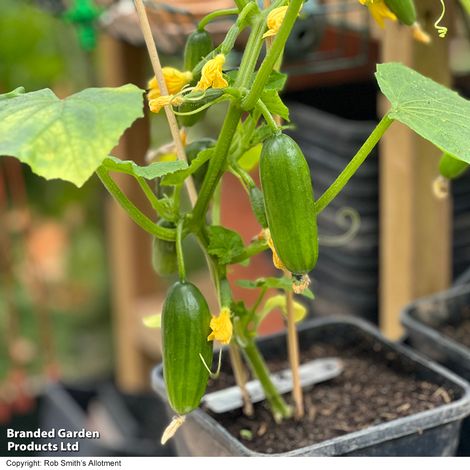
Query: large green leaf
(433, 111)
(67, 139)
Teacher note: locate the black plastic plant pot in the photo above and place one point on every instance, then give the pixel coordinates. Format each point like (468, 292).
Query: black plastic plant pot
(432, 432)
(131, 421)
(426, 322)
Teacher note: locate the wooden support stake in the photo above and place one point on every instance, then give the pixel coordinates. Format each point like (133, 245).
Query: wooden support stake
(157, 69)
(415, 226)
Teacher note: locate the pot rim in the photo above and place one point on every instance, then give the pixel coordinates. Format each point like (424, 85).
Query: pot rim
(366, 437)
(410, 321)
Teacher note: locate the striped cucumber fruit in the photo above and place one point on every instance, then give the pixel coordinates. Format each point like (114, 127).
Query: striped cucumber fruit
(164, 260)
(290, 207)
(198, 45)
(404, 10)
(185, 328)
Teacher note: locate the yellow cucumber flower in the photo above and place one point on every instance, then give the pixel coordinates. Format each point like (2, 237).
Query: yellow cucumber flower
(379, 11)
(175, 80)
(221, 326)
(211, 74)
(276, 260)
(156, 104)
(274, 21)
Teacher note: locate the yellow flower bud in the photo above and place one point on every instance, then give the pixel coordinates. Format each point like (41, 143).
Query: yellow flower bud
(211, 74)
(175, 80)
(274, 21)
(379, 11)
(221, 326)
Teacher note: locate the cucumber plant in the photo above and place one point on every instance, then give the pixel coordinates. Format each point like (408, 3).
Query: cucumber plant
(71, 139)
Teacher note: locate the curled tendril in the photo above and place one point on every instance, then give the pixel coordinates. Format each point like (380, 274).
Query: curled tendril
(213, 375)
(344, 217)
(441, 30)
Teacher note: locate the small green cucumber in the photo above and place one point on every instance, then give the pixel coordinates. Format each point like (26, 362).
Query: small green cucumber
(257, 205)
(185, 328)
(198, 45)
(206, 97)
(192, 151)
(451, 167)
(164, 259)
(290, 207)
(404, 10)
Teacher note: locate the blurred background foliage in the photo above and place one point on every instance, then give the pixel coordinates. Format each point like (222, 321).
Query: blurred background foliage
(56, 282)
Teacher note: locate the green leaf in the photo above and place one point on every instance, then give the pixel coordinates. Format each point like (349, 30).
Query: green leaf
(12, 94)
(250, 158)
(153, 321)
(276, 81)
(433, 111)
(149, 172)
(67, 139)
(178, 177)
(273, 102)
(283, 283)
(225, 244)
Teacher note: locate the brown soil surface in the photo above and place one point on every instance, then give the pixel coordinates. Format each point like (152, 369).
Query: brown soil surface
(374, 388)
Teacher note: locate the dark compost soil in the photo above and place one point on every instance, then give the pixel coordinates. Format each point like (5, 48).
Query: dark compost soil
(373, 388)
(458, 331)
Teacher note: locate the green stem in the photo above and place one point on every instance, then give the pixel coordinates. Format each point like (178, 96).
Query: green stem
(217, 162)
(179, 251)
(259, 300)
(251, 250)
(225, 293)
(269, 61)
(157, 206)
(246, 185)
(229, 41)
(234, 113)
(134, 213)
(205, 106)
(252, 51)
(216, 203)
(279, 407)
(241, 4)
(214, 15)
(353, 165)
(268, 117)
